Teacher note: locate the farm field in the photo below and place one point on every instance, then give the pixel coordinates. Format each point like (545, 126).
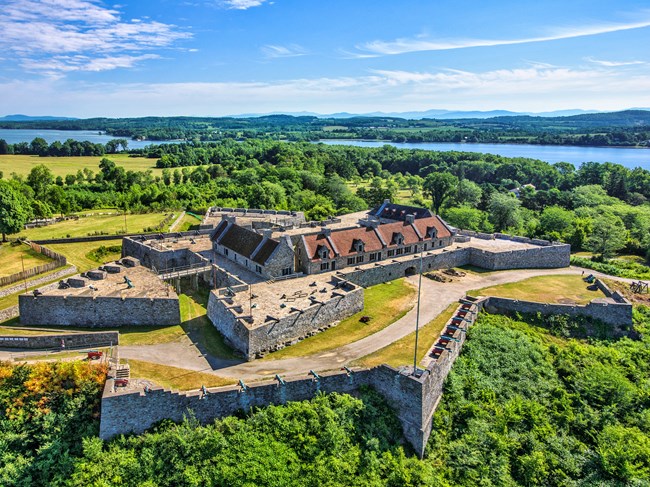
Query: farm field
(12, 257)
(61, 166)
(109, 224)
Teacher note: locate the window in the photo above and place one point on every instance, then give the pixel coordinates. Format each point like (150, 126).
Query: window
(350, 260)
(425, 246)
(324, 266)
(373, 257)
(407, 250)
(399, 251)
(323, 252)
(391, 253)
(359, 259)
(358, 245)
(258, 269)
(225, 251)
(440, 244)
(286, 271)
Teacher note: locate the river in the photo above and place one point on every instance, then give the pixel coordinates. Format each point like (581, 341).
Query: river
(626, 156)
(576, 155)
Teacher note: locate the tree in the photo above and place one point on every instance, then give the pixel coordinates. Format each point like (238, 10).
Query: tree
(439, 186)
(608, 236)
(504, 211)
(15, 210)
(555, 222)
(468, 193)
(39, 178)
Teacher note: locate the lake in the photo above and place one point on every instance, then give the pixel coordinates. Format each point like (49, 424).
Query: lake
(628, 157)
(625, 156)
(27, 135)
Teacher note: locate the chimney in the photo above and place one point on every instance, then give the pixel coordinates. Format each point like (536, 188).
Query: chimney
(229, 218)
(267, 232)
(387, 202)
(326, 232)
(410, 218)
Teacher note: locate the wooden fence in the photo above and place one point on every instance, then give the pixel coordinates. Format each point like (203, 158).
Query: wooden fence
(59, 261)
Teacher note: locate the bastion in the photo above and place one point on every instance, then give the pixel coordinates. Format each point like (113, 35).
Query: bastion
(268, 316)
(117, 294)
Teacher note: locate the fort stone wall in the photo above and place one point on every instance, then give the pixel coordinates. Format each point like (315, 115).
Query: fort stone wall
(617, 315)
(68, 340)
(98, 311)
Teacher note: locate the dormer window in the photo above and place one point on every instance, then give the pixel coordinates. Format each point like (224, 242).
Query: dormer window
(432, 232)
(398, 238)
(358, 245)
(323, 252)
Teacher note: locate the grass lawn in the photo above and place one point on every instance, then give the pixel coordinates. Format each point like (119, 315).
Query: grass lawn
(17, 331)
(384, 303)
(109, 224)
(14, 255)
(401, 352)
(78, 253)
(189, 222)
(174, 377)
(195, 323)
(566, 289)
(62, 166)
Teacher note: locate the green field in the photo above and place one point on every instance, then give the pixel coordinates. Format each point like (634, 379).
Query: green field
(78, 253)
(384, 303)
(174, 377)
(565, 289)
(14, 255)
(111, 223)
(62, 166)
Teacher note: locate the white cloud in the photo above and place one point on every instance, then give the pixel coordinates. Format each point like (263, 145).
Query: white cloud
(49, 36)
(525, 89)
(293, 50)
(243, 4)
(613, 64)
(406, 45)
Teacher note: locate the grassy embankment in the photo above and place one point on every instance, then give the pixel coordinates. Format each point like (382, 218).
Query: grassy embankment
(14, 255)
(401, 352)
(565, 289)
(384, 303)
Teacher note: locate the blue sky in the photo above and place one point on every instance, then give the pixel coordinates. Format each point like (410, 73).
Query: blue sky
(89, 58)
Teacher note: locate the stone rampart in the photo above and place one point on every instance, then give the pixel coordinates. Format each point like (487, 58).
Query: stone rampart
(387, 270)
(57, 341)
(414, 398)
(275, 333)
(161, 259)
(98, 311)
(617, 315)
(549, 256)
(540, 257)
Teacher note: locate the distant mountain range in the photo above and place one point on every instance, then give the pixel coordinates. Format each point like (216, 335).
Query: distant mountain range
(27, 118)
(433, 113)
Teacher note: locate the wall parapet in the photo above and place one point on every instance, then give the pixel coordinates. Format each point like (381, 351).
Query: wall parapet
(60, 341)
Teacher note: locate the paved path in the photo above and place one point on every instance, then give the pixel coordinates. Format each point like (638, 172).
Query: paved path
(177, 222)
(436, 297)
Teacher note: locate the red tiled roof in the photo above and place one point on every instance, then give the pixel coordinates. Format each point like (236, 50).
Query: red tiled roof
(434, 221)
(313, 241)
(344, 240)
(389, 229)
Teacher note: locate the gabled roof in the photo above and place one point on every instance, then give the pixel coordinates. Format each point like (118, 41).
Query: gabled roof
(244, 242)
(388, 231)
(265, 251)
(398, 212)
(435, 222)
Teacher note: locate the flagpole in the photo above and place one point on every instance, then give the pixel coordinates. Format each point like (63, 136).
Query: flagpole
(417, 316)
